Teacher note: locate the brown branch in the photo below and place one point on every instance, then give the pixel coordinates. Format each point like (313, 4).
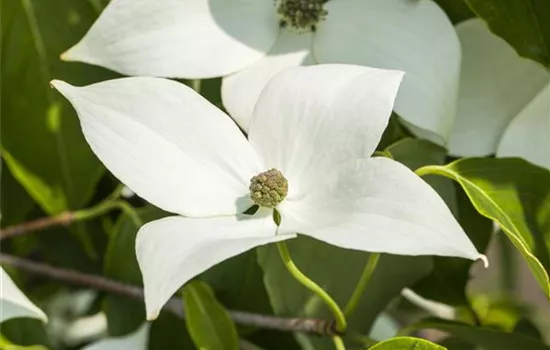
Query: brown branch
(62, 219)
(174, 305)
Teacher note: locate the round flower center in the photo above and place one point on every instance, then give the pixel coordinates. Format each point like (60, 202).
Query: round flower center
(301, 15)
(269, 188)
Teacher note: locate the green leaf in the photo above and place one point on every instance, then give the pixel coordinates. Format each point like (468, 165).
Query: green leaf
(168, 332)
(41, 140)
(337, 271)
(523, 24)
(14, 201)
(515, 194)
(488, 338)
(245, 289)
(447, 282)
(207, 321)
(406, 343)
(457, 10)
(125, 315)
(7, 345)
(25, 332)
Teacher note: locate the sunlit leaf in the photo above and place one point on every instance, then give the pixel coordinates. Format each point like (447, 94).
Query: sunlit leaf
(207, 321)
(515, 194)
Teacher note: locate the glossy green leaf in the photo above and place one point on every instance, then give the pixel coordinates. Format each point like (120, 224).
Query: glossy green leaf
(488, 338)
(523, 24)
(406, 343)
(40, 134)
(447, 281)
(515, 194)
(337, 271)
(207, 321)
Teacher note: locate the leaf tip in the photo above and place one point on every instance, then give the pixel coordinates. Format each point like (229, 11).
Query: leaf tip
(484, 259)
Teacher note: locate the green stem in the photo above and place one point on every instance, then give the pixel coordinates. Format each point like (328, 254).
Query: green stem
(429, 170)
(362, 284)
(314, 287)
(338, 343)
(106, 206)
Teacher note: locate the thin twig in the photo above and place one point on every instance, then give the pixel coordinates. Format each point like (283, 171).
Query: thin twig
(174, 305)
(63, 219)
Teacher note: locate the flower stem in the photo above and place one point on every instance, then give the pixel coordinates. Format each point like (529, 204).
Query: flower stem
(314, 287)
(431, 170)
(338, 342)
(362, 284)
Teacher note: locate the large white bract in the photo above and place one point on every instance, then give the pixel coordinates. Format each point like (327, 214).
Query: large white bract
(504, 101)
(15, 304)
(317, 125)
(243, 41)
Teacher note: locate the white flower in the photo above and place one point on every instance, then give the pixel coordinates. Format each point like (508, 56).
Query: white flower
(317, 125)
(504, 101)
(137, 340)
(15, 304)
(244, 41)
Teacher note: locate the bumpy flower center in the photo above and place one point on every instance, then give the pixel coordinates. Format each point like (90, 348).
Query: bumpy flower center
(301, 15)
(269, 188)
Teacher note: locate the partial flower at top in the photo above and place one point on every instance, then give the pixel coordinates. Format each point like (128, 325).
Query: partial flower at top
(504, 101)
(307, 156)
(15, 304)
(249, 41)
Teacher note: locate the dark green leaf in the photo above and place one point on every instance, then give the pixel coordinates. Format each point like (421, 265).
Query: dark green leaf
(125, 315)
(457, 10)
(406, 343)
(168, 333)
(337, 271)
(524, 24)
(25, 332)
(207, 321)
(516, 194)
(40, 134)
(525, 326)
(245, 289)
(488, 338)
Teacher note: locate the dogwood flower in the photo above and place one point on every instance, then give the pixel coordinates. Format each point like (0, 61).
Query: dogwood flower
(504, 101)
(307, 156)
(15, 304)
(249, 41)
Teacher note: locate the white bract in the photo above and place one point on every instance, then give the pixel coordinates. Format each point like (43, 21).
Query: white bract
(15, 304)
(249, 41)
(504, 100)
(317, 125)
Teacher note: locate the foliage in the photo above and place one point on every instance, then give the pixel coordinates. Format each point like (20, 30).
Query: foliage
(49, 173)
